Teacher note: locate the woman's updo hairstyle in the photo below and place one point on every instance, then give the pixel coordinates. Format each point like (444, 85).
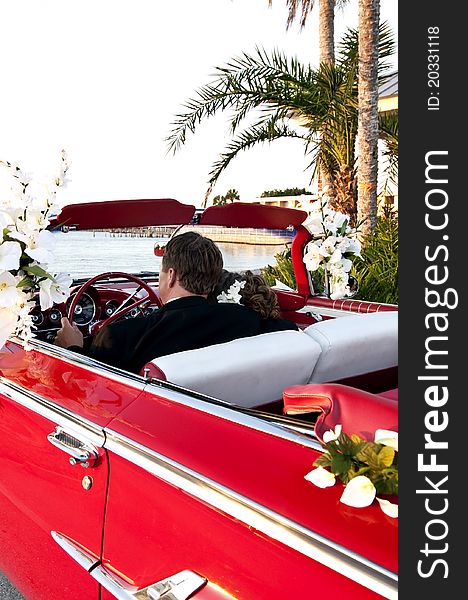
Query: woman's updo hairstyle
(256, 293)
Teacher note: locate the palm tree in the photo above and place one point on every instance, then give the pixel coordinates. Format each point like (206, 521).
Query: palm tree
(326, 24)
(277, 92)
(368, 121)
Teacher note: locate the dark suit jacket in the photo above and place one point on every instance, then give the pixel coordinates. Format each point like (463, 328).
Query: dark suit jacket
(183, 324)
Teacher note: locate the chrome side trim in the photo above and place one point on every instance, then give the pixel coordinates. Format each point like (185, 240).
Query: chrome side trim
(234, 415)
(276, 526)
(52, 411)
(82, 557)
(183, 397)
(181, 585)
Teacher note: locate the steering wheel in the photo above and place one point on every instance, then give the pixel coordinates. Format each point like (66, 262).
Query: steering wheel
(152, 296)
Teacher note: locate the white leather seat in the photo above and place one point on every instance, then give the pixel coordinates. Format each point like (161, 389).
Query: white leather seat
(355, 345)
(247, 372)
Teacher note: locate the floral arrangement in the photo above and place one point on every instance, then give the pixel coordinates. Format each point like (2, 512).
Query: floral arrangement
(366, 468)
(26, 249)
(333, 246)
(233, 294)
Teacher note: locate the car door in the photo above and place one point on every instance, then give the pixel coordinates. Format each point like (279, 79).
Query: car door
(209, 501)
(53, 468)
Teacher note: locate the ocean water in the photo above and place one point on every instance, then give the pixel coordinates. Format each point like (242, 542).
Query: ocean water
(85, 253)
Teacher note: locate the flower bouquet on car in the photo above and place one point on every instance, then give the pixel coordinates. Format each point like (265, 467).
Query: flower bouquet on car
(26, 249)
(366, 468)
(329, 255)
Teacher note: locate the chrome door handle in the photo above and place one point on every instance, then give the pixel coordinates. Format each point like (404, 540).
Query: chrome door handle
(80, 451)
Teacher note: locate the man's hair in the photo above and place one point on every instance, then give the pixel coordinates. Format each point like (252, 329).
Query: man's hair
(197, 260)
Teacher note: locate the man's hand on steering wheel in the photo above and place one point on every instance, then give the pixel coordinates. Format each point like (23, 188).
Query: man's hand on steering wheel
(125, 308)
(68, 335)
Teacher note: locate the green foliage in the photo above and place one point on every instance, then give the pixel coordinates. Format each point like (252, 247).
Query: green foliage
(230, 196)
(347, 457)
(279, 92)
(286, 192)
(283, 270)
(377, 272)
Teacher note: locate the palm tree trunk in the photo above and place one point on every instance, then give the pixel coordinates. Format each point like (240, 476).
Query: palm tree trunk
(368, 121)
(327, 55)
(327, 31)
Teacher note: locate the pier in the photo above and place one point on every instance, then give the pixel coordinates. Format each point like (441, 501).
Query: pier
(234, 235)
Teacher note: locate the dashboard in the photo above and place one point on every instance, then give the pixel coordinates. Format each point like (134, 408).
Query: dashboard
(99, 302)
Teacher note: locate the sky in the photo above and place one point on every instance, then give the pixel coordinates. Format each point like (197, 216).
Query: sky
(104, 79)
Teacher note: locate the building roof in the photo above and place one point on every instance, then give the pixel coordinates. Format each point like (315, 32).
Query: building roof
(390, 86)
(388, 93)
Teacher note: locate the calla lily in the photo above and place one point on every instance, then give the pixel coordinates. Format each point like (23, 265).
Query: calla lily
(359, 492)
(9, 293)
(331, 435)
(54, 290)
(387, 438)
(40, 247)
(10, 254)
(321, 477)
(390, 509)
(8, 321)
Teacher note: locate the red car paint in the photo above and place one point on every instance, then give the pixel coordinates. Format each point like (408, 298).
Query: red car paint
(143, 524)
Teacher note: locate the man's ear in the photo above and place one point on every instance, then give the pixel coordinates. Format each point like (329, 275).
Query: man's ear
(171, 277)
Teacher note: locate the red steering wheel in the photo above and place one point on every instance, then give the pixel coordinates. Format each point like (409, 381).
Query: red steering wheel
(152, 296)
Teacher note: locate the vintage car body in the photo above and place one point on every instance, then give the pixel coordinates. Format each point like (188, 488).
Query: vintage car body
(175, 491)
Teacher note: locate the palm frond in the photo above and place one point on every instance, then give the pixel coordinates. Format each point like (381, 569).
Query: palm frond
(263, 131)
(388, 132)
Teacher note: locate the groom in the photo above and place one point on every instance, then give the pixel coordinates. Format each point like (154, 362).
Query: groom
(190, 270)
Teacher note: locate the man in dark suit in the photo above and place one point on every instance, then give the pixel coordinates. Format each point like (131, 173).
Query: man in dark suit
(190, 270)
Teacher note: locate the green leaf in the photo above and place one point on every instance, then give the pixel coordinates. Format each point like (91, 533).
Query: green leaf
(342, 229)
(37, 271)
(340, 465)
(386, 482)
(323, 461)
(386, 456)
(25, 282)
(368, 454)
(349, 446)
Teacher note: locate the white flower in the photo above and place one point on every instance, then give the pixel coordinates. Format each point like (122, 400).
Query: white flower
(8, 321)
(60, 179)
(24, 215)
(233, 295)
(359, 492)
(339, 219)
(40, 247)
(54, 290)
(332, 435)
(387, 438)
(354, 246)
(313, 224)
(312, 256)
(6, 220)
(10, 254)
(342, 264)
(321, 477)
(335, 257)
(388, 508)
(9, 293)
(328, 246)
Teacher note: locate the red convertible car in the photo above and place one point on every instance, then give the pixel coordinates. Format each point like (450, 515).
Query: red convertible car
(187, 480)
